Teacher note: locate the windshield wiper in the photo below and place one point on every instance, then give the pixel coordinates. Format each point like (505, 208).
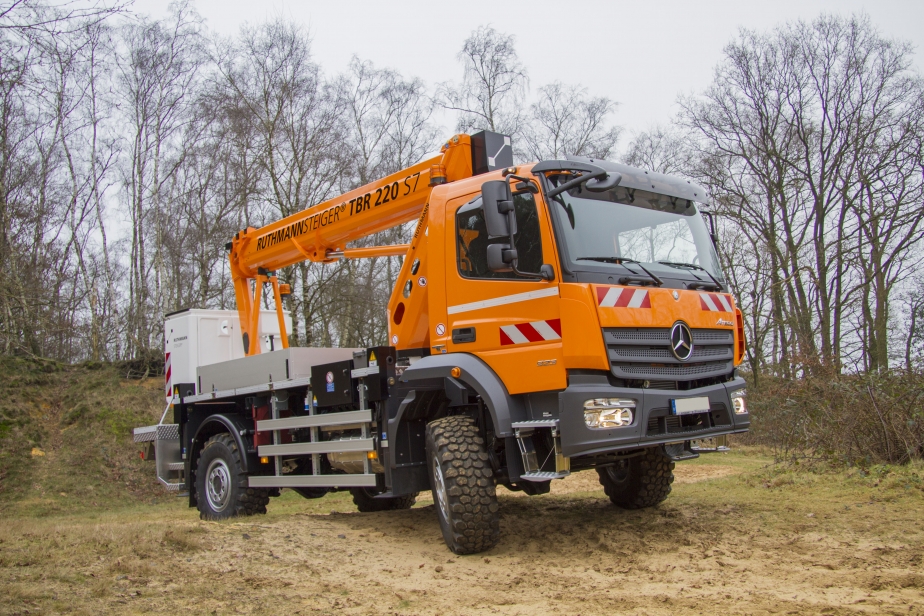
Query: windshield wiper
(622, 261)
(617, 260)
(696, 267)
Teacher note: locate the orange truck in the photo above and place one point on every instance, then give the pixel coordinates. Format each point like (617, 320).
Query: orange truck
(548, 318)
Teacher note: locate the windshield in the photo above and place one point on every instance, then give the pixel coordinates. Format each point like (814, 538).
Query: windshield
(658, 231)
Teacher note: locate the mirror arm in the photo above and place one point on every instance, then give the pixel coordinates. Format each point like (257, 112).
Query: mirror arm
(581, 179)
(510, 217)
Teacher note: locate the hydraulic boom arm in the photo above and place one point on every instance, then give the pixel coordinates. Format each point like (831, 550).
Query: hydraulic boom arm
(320, 233)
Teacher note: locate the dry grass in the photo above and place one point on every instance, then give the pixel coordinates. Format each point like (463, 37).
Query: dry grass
(738, 535)
(86, 530)
(79, 419)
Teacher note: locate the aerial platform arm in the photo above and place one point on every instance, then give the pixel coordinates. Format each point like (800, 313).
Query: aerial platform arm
(320, 233)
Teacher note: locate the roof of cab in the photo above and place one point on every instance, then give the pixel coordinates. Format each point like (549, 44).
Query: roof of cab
(633, 177)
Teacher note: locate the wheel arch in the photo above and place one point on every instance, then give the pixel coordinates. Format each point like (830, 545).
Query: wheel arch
(212, 425)
(476, 374)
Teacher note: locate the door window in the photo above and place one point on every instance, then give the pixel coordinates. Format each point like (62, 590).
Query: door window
(472, 239)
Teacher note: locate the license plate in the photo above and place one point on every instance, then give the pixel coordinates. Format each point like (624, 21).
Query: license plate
(685, 406)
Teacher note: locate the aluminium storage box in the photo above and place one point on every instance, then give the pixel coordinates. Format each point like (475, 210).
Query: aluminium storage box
(273, 366)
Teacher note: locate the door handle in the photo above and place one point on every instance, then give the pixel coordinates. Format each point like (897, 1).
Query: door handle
(463, 334)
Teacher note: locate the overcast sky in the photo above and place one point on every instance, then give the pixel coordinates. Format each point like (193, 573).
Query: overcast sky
(640, 54)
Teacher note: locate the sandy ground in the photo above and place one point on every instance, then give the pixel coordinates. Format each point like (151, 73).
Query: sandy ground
(728, 540)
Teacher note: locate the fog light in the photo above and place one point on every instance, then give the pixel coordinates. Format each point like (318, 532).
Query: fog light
(737, 398)
(605, 413)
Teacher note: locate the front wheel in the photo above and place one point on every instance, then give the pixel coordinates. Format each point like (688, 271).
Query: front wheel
(221, 484)
(639, 482)
(463, 485)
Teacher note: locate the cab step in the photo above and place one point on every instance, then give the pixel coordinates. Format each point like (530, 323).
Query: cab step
(534, 423)
(543, 475)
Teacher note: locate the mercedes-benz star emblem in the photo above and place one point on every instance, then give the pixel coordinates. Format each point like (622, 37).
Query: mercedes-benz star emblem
(681, 341)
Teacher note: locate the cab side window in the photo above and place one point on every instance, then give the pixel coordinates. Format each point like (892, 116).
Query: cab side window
(472, 239)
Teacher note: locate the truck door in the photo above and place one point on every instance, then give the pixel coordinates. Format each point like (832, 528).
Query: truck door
(511, 322)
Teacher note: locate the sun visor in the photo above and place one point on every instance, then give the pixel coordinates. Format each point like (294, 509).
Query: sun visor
(633, 177)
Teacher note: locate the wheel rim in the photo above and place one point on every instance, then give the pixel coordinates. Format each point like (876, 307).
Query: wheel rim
(619, 472)
(439, 487)
(218, 485)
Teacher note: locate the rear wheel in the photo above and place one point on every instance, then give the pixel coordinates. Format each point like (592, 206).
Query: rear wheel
(221, 484)
(636, 483)
(366, 501)
(463, 485)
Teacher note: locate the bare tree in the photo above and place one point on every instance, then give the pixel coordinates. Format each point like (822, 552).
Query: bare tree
(565, 120)
(809, 135)
(157, 80)
(662, 150)
(389, 129)
(493, 87)
(300, 141)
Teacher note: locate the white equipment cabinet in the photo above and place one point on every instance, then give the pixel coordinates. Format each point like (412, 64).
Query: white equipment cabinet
(195, 338)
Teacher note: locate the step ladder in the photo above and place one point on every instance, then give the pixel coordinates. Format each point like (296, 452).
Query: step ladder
(524, 430)
(361, 417)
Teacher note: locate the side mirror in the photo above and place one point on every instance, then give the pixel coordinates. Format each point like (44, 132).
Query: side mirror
(498, 201)
(501, 257)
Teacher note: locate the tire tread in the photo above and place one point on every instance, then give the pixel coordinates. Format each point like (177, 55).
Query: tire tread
(649, 481)
(474, 519)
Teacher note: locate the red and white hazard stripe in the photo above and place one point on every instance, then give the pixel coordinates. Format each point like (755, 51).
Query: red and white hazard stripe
(715, 302)
(622, 297)
(536, 331)
(167, 380)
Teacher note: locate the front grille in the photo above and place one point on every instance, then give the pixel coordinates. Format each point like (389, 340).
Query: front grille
(637, 353)
(682, 424)
(661, 422)
(645, 354)
(670, 385)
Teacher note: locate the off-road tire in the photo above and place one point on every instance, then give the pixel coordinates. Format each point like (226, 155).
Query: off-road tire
(220, 463)
(463, 485)
(365, 501)
(636, 483)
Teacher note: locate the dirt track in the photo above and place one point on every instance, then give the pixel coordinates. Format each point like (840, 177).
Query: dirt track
(724, 542)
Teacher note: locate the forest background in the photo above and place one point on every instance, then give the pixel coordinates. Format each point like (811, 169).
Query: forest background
(132, 149)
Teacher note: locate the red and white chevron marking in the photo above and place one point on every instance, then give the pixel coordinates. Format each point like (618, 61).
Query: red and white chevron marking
(715, 302)
(167, 376)
(536, 331)
(622, 297)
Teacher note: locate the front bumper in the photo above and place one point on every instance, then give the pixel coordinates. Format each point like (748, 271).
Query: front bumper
(653, 423)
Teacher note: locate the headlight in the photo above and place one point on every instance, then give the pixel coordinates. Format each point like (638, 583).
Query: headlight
(737, 398)
(605, 413)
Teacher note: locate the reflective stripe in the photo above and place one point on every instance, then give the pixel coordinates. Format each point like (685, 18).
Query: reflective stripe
(612, 296)
(167, 376)
(637, 298)
(623, 297)
(716, 302)
(502, 301)
(545, 330)
(514, 334)
(536, 331)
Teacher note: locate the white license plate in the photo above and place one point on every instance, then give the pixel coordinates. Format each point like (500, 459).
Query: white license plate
(685, 406)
